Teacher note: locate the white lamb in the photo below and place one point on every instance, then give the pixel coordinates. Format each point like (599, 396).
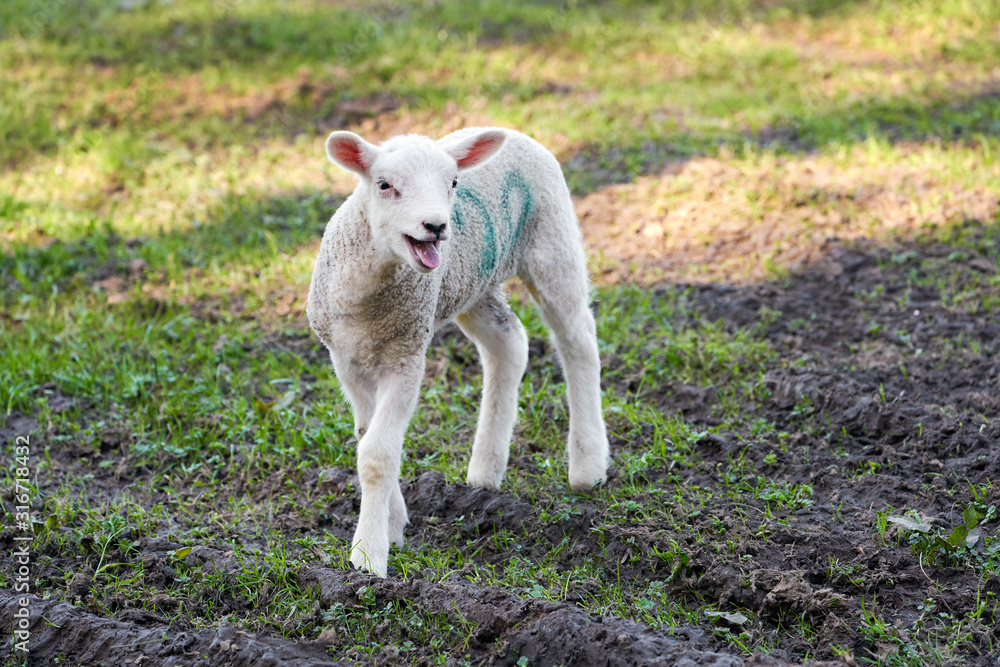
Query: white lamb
(430, 235)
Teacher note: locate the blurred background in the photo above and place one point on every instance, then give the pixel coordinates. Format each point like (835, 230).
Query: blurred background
(703, 140)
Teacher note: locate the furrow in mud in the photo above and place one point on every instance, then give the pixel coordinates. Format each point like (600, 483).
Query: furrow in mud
(507, 628)
(62, 632)
(483, 510)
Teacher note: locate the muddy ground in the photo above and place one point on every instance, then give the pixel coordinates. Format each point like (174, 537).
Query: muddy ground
(872, 425)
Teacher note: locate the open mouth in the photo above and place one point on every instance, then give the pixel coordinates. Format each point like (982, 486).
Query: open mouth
(425, 252)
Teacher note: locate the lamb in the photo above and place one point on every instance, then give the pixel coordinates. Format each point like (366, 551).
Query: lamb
(430, 235)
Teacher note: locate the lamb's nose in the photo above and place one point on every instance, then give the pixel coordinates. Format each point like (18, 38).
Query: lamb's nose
(436, 230)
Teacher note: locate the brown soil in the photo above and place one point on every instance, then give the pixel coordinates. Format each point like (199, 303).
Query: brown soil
(712, 219)
(143, 638)
(869, 437)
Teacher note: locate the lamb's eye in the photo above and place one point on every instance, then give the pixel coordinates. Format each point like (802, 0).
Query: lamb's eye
(384, 186)
(454, 183)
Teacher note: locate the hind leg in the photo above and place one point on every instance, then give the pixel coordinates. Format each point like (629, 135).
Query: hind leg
(557, 279)
(503, 347)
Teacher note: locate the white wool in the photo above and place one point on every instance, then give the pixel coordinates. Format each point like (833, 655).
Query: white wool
(376, 300)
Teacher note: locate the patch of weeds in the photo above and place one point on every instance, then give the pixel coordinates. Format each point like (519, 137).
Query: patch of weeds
(787, 495)
(372, 626)
(936, 636)
(938, 545)
(843, 572)
(778, 494)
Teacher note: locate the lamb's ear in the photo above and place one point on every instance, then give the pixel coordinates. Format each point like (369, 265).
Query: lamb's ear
(350, 151)
(476, 149)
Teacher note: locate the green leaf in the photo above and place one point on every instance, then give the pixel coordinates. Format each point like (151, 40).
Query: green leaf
(991, 515)
(729, 617)
(538, 592)
(910, 524)
(960, 537)
(182, 553)
(286, 400)
(944, 544)
(972, 538)
(957, 538)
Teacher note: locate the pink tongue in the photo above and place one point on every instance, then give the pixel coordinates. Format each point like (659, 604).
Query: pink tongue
(428, 254)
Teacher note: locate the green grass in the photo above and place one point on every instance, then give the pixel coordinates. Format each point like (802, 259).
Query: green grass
(676, 77)
(162, 195)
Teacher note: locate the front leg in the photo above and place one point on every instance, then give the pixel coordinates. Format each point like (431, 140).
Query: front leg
(359, 389)
(361, 392)
(383, 511)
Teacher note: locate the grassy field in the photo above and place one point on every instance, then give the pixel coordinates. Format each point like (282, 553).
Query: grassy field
(791, 213)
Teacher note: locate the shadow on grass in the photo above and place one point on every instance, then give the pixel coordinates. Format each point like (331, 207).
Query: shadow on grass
(141, 42)
(155, 36)
(248, 231)
(970, 119)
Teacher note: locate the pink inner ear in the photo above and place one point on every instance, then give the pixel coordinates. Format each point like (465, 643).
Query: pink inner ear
(477, 152)
(348, 154)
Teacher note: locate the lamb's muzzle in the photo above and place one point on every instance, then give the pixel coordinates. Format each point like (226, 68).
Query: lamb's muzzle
(415, 247)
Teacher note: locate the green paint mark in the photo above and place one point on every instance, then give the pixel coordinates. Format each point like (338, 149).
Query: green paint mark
(510, 231)
(489, 258)
(513, 180)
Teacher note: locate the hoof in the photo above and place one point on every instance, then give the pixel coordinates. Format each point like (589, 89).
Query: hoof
(361, 560)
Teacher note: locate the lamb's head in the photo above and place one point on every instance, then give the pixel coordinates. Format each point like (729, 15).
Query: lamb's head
(408, 185)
